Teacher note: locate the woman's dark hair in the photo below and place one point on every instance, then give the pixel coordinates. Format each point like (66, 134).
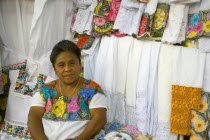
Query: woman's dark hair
(62, 46)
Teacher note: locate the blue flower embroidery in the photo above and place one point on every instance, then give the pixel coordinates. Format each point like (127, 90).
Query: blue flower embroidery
(114, 126)
(87, 93)
(195, 19)
(73, 116)
(48, 93)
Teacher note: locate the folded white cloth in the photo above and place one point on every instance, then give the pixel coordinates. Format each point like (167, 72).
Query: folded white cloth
(164, 93)
(178, 15)
(128, 19)
(151, 7)
(205, 5)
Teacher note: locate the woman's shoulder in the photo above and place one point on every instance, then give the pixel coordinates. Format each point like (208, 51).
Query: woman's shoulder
(48, 89)
(93, 85)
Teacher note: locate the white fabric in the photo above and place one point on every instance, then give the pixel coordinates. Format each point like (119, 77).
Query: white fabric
(194, 8)
(184, 1)
(151, 7)
(164, 93)
(188, 67)
(127, 17)
(16, 36)
(205, 5)
(132, 72)
(90, 57)
(146, 102)
(204, 44)
(82, 3)
(177, 18)
(131, 80)
(60, 130)
(46, 32)
(206, 77)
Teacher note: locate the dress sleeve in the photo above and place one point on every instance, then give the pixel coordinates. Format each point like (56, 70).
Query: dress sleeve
(98, 101)
(37, 100)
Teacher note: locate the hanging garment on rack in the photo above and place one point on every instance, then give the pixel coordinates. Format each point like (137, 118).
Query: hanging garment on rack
(121, 55)
(146, 102)
(200, 118)
(187, 81)
(164, 93)
(199, 125)
(101, 25)
(90, 56)
(129, 15)
(84, 16)
(147, 19)
(160, 19)
(184, 1)
(114, 9)
(131, 80)
(194, 26)
(177, 22)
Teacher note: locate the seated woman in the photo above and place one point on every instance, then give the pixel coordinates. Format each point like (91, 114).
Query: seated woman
(71, 108)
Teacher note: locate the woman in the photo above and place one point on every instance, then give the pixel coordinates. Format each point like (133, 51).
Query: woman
(71, 107)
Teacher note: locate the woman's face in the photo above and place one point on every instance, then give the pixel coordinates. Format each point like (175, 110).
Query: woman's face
(67, 67)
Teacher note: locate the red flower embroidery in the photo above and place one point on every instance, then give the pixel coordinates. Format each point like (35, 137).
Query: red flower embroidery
(99, 21)
(143, 25)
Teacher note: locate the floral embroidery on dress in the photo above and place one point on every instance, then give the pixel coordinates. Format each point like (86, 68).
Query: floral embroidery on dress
(205, 19)
(195, 26)
(85, 41)
(199, 119)
(101, 25)
(15, 131)
(145, 26)
(160, 20)
(62, 108)
(23, 88)
(114, 9)
(6, 83)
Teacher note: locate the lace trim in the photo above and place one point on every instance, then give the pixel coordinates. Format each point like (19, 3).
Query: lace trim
(14, 122)
(116, 108)
(163, 132)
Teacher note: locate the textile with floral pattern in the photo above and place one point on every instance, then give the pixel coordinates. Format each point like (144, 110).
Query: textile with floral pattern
(160, 20)
(200, 119)
(101, 25)
(198, 25)
(183, 100)
(85, 41)
(63, 108)
(15, 131)
(127, 129)
(21, 83)
(1, 84)
(6, 83)
(145, 26)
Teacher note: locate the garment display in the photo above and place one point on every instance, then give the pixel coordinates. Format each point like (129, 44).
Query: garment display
(146, 99)
(74, 112)
(187, 80)
(130, 13)
(177, 18)
(147, 19)
(164, 93)
(184, 1)
(160, 20)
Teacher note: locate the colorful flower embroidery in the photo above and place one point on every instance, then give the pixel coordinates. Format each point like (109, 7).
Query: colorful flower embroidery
(195, 19)
(73, 106)
(85, 41)
(206, 26)
(99, 21)
(63, 108)
(199, 27)
(190, 28)
(16, 131)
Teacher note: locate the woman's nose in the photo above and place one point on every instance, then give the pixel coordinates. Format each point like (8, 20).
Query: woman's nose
(68, 68)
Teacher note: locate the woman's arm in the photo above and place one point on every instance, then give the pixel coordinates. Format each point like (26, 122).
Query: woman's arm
(35, 123)
(95, 125)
